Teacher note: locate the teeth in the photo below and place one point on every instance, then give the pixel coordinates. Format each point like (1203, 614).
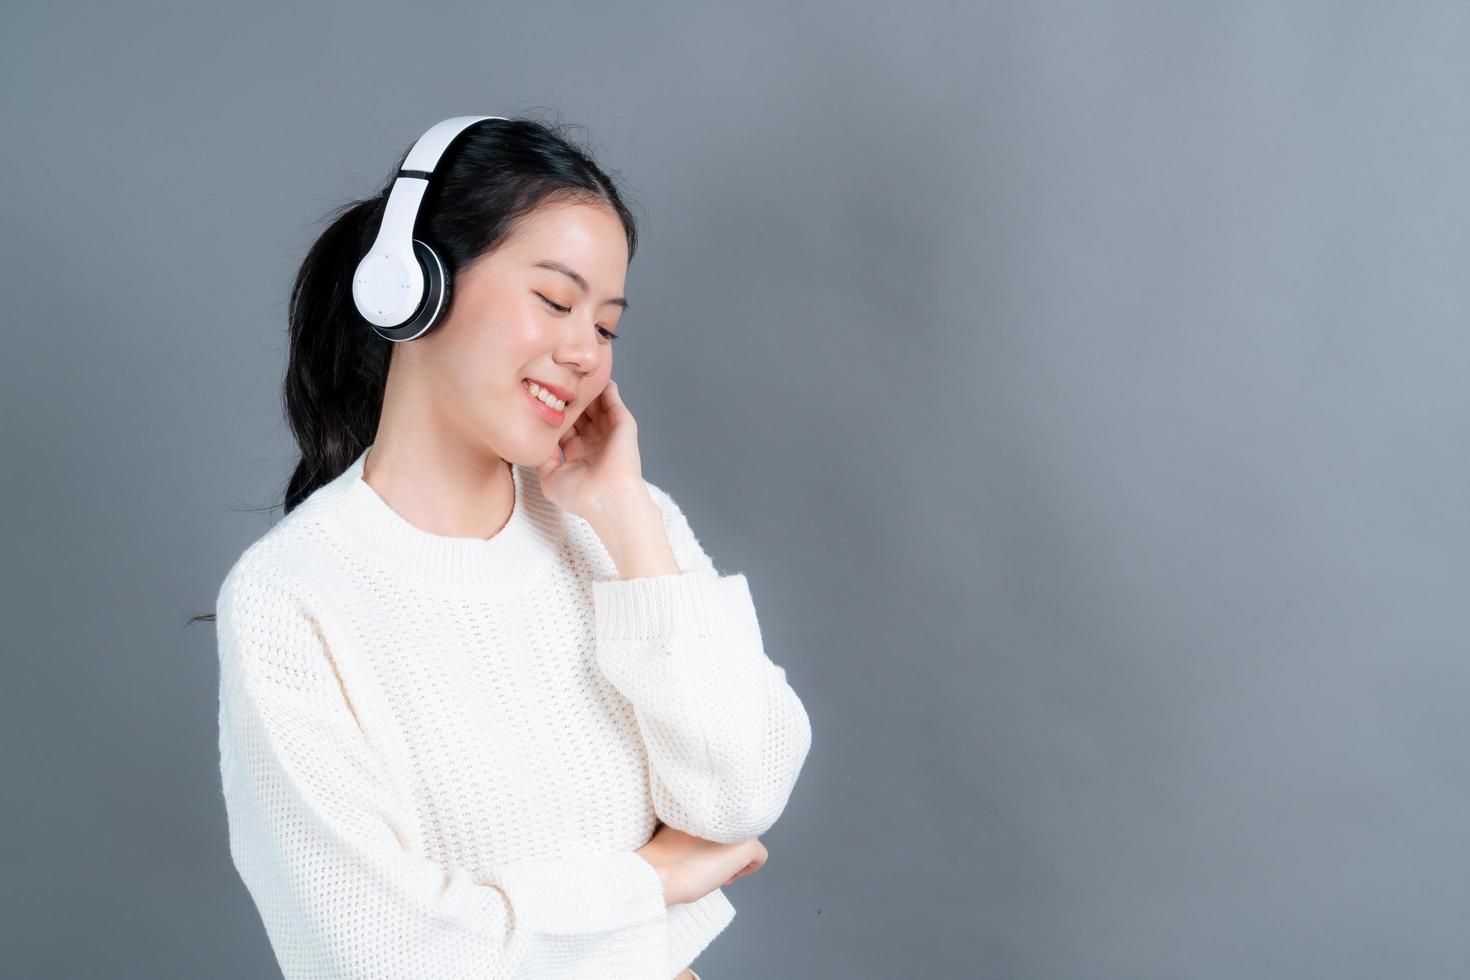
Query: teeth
(546, 396)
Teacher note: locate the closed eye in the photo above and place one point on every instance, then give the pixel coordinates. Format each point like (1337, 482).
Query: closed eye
(610, 335)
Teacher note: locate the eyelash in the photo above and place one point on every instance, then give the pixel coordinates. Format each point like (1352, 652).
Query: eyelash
(610, 335)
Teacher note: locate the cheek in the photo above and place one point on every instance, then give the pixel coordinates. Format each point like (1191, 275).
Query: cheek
(492, 346)
(472, 368)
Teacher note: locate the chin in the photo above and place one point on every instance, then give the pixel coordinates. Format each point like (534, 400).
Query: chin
(529, 452)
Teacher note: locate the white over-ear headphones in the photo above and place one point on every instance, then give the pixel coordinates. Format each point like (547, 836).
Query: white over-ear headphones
(400, 286)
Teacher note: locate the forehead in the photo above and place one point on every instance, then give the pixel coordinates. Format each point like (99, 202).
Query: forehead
(568, 231)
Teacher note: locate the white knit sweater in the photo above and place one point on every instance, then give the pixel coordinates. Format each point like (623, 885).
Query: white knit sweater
(439, 754)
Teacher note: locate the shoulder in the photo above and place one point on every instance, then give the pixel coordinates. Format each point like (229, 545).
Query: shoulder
(275, 566)
(272, 621)
(661, 497)
(665, 500)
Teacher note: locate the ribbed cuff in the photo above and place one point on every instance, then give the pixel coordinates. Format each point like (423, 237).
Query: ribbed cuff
(584, 894)
(687, 603)
(693, 926)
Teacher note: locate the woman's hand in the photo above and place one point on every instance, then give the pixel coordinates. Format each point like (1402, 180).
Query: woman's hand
(601, 481)
(692, 867)
(603, 471)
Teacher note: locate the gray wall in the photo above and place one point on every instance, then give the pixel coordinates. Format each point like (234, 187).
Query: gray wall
(1081, 388)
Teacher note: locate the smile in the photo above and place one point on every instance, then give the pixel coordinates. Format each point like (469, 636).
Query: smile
(541, 401)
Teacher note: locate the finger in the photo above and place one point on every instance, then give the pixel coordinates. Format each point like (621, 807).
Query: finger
(589, 425)
(595, 409)
(578, 446)
(601, 411)
(586, 421)
(614, 398)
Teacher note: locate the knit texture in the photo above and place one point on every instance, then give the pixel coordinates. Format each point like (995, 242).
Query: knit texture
(439, 754)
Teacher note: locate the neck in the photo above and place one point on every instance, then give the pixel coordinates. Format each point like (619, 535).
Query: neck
(507, 559)
(447, 492)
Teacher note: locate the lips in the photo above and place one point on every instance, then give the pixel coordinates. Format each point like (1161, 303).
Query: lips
(554, 416)
(557, 390)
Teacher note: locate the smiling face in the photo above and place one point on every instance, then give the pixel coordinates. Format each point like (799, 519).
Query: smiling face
(538, 307)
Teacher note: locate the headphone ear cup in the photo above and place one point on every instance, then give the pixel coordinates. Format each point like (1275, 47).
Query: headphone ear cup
(436, 291)
(445, 286)
(435, 302)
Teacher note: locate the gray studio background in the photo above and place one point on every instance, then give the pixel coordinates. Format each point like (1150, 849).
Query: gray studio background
(1082, 388)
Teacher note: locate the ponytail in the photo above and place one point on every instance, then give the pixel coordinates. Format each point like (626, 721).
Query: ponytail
(338, 367)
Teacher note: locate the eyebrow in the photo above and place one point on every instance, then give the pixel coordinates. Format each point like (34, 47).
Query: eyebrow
(572, 274)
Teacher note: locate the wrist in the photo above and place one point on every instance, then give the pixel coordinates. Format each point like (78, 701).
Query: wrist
(626, 508)
(663, 878)
(631, 528)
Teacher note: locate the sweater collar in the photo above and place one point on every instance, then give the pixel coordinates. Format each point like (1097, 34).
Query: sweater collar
(503, 564)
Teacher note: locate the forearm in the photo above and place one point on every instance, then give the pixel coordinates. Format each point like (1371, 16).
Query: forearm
(726, 735)
(632, 531)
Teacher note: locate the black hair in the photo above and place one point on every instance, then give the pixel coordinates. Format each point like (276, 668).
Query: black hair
(494, 173)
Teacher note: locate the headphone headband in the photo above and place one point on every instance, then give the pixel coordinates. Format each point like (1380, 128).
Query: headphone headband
(400, 286)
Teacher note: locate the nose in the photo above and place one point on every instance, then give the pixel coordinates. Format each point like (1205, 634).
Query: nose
(580, 346)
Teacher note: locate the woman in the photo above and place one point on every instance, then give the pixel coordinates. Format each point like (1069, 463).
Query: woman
(487, 709)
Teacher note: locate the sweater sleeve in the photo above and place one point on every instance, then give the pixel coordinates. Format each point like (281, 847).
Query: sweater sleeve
(316, 834)
(725, 734)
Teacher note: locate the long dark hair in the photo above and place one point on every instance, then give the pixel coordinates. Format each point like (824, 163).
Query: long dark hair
(496, 172)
